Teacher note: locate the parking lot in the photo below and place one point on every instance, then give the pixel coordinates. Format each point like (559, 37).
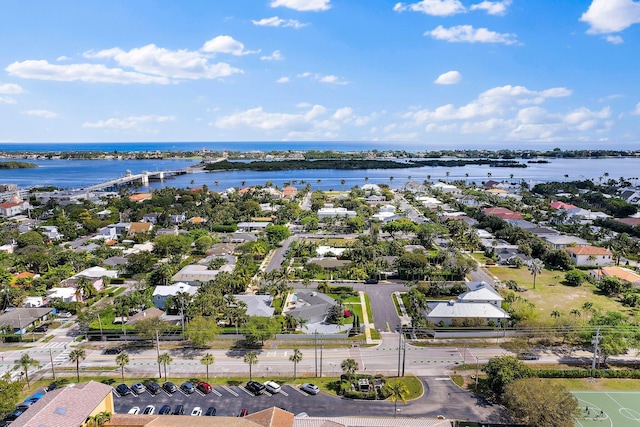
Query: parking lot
(228, 400)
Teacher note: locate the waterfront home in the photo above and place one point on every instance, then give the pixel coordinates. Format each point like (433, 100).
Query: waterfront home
(618, 272)
(33, 302)
(289, 192)
(589, 255)
(447, 188)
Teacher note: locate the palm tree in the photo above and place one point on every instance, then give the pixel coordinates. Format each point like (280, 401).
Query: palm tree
(397, 390)
(251, 359)
(366, 179)
(296, 358)
(99, 419)
(536, 268)
(342, 181)
(576, 312)
(85, 288)
(77, 356)
(207, 360)
(164, 359)
(349, 367)
(555, 314)
(122, 360)
(25, 362)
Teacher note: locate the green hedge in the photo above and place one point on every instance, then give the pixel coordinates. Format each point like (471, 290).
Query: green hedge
(586, 373)
(220, 228)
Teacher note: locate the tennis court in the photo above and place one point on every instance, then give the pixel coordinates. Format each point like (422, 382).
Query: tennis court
(608, 408)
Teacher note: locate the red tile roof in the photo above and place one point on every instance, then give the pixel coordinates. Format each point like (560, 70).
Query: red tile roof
(588, 250)
(562, 205)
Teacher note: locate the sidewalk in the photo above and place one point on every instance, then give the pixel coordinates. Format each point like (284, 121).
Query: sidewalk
(404, 319)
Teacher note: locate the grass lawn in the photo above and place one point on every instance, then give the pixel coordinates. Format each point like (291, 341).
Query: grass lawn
(349, 300)
(395, 302)
(369, 312)
(550, 295)
(481, 258)
(355, 309)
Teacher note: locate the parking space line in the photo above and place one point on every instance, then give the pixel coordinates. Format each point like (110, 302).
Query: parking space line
(200, 393)
(230, 391)
(216, 392)
(116, 393)
(267, 393)
(284, 393)
(246, 391)
(299, 391)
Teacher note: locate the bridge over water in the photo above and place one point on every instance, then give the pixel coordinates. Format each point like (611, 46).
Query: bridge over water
(143, 178)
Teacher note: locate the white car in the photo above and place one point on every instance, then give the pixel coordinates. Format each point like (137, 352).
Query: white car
(134, 410)
(64, 314)
(197, 411)
(310, 388)
(272, 387)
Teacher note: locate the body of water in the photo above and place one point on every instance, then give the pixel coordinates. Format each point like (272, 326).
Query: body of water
(82, 173)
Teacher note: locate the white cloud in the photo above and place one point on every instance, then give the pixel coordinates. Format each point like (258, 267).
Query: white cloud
(226, 44)
(41, 113)
(7, 100)
(449, 78)
(468, 34)
(62, 58)
(93, 73)
(614, 39)
(276, 21)
(611, 16)
(260, 119)
(11, 89)
(275, 56)
(493, 102)
(493, 7)
(323, 79)
(433, 7)
(283, 80)
(636, 112)
(128, 122)
(303, 5)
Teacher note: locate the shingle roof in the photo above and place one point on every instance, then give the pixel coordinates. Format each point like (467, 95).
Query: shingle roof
(66, 407)
(272, 417)
(369, 422)
(140, 420)
(588, 250)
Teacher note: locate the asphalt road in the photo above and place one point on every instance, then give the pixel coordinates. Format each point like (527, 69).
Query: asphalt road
(441, 397)
(383, 309)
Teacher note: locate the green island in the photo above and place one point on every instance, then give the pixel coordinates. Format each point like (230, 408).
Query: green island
(355, 164)
(17, 165)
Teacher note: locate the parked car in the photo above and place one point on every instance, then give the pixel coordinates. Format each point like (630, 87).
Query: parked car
(179, 410)
(41, 328)
(123, 390)
(272, 387)
(371, 281)
(528, 356)
(187, 387)
(35, 397)
(113, 350)
(24, 406)
(310, 388)
(152, 387)
(204, 387)
(137, 388)
(244, 412)
(196, 412)
(149, 410)
(211, 412)
(169, 387)
(13, 416)
(255, 387)
(165, 410)
(135, 410)
(64, 314)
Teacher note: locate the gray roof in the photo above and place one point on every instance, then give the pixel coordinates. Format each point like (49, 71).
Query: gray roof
(456, 309)
(257, 305)
(329, 262)
(310, 304)
(368, 422)
(114, 260)
(22, 317)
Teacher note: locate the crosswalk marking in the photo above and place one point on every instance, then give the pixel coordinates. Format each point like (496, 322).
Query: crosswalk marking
(52, 344)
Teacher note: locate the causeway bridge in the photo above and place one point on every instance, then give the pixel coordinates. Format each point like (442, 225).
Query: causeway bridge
(142, 178)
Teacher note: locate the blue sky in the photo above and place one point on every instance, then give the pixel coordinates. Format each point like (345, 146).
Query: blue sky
(451, 72)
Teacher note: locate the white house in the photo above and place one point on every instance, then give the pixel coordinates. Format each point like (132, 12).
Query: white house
(480, 301)
(161, 293)
(385, 212)
(51, 231)
(13, 207)
(33, 302)
(251, 226)
(446, 188)
(562, 241)
(335, 212)
(95, 275)
(590, 255)
(65, 294)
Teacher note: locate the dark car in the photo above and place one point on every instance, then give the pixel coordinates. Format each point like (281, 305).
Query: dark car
(187, 387)
(179, 410)
(211, 412)
(41, 328)
(169, 387)
(152, 387)
(123, 390)
(255, 387)
(528, 356)
(371, 281)
(113, 350)
(204, 387)
(13, 416)
(165, 410)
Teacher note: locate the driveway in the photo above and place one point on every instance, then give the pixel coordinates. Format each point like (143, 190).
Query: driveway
(383, 309)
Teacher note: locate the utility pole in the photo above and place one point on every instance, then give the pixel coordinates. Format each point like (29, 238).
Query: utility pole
(53, 368)
(404, 355)
(321, 348)
(100, 323)
(595, 341)
(315, 347)
(399, 348)
(158, 350)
